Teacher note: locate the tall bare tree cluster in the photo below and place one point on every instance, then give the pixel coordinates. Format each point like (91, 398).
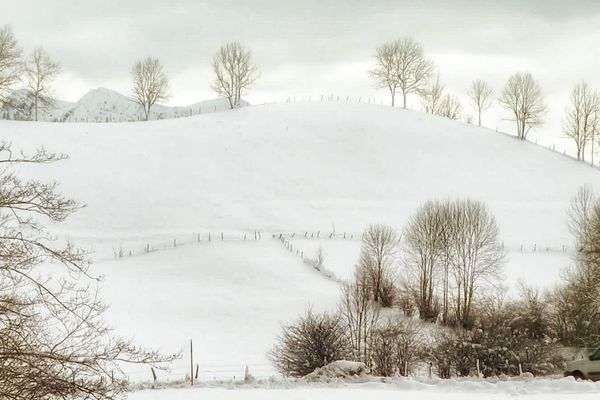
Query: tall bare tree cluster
(402, 65)
(582, 119)
(452, 250)
(150, 84)
(40, 71)
(53, 341)
(234, 71)
(480, 94)
(523, 97)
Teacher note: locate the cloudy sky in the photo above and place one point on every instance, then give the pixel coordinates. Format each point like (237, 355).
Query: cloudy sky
(313, 47)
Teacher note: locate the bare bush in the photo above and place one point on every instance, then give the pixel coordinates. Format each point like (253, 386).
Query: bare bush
(150, 84)
(234, 72)
(311, 342)
(449, 107)
(397, 344)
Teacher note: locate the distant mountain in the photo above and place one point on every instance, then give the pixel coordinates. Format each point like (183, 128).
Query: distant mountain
(102, 105)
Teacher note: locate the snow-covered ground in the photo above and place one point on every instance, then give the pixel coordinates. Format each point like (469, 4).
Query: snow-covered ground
(297, 167)
(542, 389)
(230, 298)
(279, 168)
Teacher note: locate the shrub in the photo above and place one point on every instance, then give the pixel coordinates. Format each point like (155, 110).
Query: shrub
(311, 342)
(398, 342)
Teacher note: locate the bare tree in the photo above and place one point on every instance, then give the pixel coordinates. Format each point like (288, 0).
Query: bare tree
(359, 314)
(234, 72)
(402, 64)
(481, 95)
(53, 341)
(384, 71)
(431, 96)
(41, 71)
(449, 107)
(477, 254)
(150, 84)
(523, 96)
(582, 120)
(10, 62)
(377, 257)
(423, 240)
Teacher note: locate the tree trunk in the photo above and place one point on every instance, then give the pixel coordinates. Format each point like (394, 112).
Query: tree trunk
(403, 99)
(479, 117)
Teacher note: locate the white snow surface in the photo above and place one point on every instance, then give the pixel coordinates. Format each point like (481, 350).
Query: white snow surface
(278, 168)
(303, 166)
(468, 389)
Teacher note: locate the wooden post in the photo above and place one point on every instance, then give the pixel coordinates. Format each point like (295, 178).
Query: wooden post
(153, 377)
(478, 369)
(197, 371)
(520, 369)
(430, 374)
(406, 368)
(191, 362)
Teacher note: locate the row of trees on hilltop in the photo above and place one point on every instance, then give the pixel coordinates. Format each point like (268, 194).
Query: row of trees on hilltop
(447, 268)
(401, 66)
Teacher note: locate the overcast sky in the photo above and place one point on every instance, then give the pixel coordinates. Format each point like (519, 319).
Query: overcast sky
(312, 47)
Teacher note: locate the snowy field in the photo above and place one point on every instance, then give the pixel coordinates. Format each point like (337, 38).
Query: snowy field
(229, 298)
(275, 169)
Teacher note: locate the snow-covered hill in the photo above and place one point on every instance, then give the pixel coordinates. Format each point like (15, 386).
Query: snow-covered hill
(103, 105)
(285, 167)
(277, 168)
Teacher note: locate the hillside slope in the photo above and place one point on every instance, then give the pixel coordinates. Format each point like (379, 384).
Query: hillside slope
(285, 167)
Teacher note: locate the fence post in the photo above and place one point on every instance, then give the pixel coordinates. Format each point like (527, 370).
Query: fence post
(478, 369)
(191, 362)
